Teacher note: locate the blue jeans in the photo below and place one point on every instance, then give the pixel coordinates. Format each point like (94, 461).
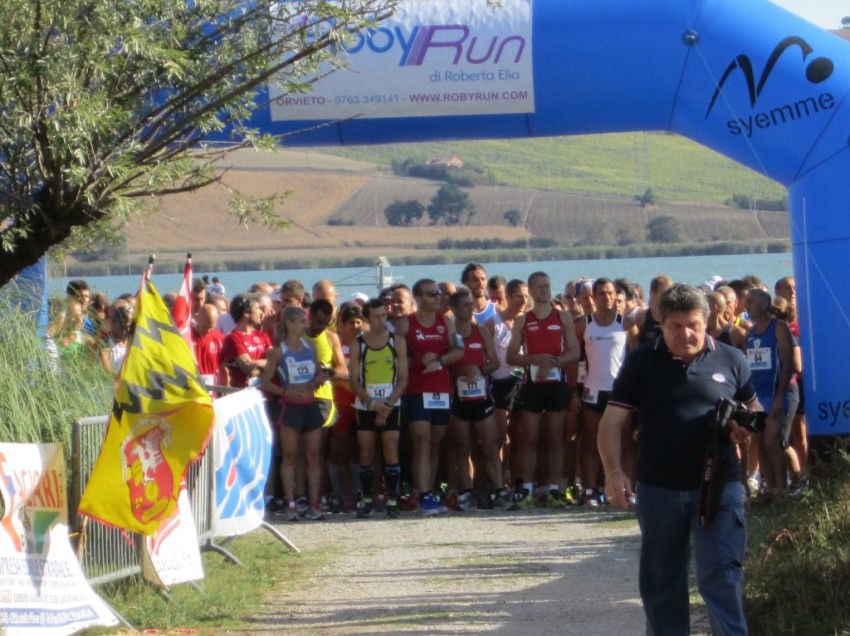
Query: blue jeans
(668, 521)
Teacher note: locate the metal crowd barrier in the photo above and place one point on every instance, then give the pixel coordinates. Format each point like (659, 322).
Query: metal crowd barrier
(108, 554)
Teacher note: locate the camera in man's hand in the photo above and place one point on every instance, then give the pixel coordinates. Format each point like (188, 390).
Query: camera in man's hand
(726, 410)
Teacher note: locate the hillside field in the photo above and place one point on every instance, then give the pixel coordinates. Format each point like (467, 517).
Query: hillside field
(579, 191)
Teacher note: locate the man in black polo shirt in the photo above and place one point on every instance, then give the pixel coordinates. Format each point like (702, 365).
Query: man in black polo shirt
(674, 382)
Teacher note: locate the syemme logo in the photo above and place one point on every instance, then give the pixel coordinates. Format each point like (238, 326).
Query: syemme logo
(817, 70)
(414, 47)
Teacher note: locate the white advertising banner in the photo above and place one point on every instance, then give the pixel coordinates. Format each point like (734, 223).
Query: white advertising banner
(43, 591)
(432, 58)
(243, 447)
(171, 554)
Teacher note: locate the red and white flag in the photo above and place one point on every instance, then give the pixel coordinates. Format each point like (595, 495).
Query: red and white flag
(181, 310)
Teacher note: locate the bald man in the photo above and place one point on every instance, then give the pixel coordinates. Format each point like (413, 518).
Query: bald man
(207, 342)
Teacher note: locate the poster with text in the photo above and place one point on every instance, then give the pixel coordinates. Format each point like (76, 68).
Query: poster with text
(431, 58)
(43, 591)
(171, 554)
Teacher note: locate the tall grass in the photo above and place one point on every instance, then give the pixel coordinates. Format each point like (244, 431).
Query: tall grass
(798, 574)
(40, 400)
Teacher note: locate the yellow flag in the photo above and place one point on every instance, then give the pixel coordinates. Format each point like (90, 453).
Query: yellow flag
(161, 421)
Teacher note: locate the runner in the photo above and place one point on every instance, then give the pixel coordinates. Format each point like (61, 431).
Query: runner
(507, 378)
(295, 363)
(474, 277)
(771, 358)
(543, 341)
(472, 405)
(432, 345)
(603, 337)
(245, 346)
(378, 371)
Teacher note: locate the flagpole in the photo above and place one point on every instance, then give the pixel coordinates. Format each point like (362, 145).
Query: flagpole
(149, 268)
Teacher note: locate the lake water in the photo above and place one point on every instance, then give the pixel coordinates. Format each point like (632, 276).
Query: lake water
(686, 269)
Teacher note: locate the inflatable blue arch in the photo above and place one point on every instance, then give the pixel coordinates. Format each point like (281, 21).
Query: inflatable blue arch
(743, 77)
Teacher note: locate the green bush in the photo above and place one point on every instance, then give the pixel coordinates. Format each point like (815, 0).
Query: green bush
(40, 398)
(797, 577)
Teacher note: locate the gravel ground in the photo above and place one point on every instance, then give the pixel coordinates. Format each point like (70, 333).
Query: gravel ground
(531, 573)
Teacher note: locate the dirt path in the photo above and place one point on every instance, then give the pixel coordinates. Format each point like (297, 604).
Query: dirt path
(531, 573)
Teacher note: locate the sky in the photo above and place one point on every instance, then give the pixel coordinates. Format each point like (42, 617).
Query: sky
(825, 13)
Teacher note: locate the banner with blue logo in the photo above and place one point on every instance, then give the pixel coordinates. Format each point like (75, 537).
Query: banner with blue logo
(243, 447)
(748, 79)
(429, 59)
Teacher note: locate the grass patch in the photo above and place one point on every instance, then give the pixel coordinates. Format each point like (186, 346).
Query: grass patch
(621, 165)
(228, 594)
(42, 396)
(624, 521)
(798, 572)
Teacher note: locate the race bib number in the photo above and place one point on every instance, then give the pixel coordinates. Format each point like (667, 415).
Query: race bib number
(554, 374)
(760, 359)
(435, 400)
(300, 372)
(376, 392)
(591, 396)
(467, 390)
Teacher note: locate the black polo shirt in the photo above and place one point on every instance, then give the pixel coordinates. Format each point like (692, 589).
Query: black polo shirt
(676, 402)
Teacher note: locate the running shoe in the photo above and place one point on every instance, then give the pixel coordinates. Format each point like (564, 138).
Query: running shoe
(502, 499)
(556, 499)
(314, 513)
(525, 500)
(452, 502)
(292, 512)
(392, 509)
(302, 505)
(380, 503)
(275, 506)
(409, 503)
(590, 500)
(364, 508)
(336, 505)
(466, 502)
(429, 505)
(799, 488)
(324, 504)
(572, 495)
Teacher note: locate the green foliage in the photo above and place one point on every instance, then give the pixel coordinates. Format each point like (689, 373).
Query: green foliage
(513, 218)
(219, 603)
(104, 103)
(42, 397)
(449, 204)
(797, 576)
(646, 199)
(745, 202)
(466, 177)
(536, 242)
(403, 213)
(664, 229)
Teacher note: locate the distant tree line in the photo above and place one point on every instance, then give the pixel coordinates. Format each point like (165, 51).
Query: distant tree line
(536, 242)
(467, 177)
(744, 202)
